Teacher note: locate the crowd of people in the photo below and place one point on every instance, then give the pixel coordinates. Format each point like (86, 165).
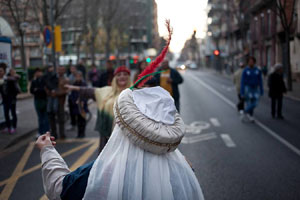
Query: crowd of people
(248, 80)
(69, 88)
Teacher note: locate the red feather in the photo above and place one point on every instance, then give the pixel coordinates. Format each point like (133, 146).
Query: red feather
(154, 64)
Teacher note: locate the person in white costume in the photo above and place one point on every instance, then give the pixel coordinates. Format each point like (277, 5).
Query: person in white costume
(140, 160)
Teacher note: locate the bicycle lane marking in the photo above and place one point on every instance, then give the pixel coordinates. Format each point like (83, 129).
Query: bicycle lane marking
(36, 167)
(260, 124)
(5, 194)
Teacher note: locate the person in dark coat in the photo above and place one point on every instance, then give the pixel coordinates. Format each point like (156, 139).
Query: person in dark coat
(38, 90)
(80, 108)
(169, 80)
(93, 75)
(106, 77)
(9, 89)
(276, 90)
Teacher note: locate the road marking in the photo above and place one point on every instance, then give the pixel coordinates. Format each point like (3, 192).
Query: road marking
(81, 160)
(227, 140)
(261, 125)
(36, 167)
(215, 122)
(6, 192)
(196, 127)
(198, 138)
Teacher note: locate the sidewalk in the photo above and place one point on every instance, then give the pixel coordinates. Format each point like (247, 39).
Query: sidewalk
(27, 123)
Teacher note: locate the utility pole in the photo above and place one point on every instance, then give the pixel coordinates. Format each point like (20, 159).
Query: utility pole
(53, 35)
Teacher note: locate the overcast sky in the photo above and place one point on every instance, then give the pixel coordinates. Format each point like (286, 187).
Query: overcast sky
(186, 16)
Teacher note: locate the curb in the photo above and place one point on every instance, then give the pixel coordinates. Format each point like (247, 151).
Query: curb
(17, 139)
(23, 96)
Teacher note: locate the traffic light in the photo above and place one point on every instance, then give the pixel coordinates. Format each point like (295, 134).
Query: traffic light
(216, 52)
(135, 59)
(148, 60)
(131, 61)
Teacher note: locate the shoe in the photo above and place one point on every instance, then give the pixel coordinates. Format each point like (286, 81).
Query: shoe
(70, 128)
(280, 117)
(241, 112)
(243, 117)
(251, 119)
(6, 130)
(12, 130)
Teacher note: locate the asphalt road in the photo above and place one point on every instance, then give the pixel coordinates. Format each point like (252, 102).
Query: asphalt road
(236, 160)
(232, 160)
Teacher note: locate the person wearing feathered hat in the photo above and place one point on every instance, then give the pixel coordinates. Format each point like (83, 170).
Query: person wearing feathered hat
(105, 98)
(140, 160)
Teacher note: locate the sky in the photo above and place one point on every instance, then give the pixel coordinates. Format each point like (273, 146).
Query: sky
(185, 16)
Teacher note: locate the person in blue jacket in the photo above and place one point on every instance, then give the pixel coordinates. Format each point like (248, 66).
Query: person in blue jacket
(251, 87)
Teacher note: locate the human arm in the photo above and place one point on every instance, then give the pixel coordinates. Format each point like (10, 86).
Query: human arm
(85, 93)
(54, 168)
(176, 78)
(32, 87)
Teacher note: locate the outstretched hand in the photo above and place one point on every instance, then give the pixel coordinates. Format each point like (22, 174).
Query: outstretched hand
(45, 140)
(71, 87)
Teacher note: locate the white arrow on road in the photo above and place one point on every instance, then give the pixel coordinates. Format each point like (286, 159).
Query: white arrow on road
(198, 138)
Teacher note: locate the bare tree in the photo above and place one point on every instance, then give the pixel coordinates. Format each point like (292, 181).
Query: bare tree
(285, 9)
(92, 25)
(19, 13)
(109, 9)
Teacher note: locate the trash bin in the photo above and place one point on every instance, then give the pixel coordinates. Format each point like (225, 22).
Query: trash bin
(23, 79)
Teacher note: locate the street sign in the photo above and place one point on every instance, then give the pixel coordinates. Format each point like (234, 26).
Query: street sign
(47, 35)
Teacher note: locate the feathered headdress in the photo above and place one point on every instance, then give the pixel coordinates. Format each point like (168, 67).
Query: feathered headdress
(148, 72)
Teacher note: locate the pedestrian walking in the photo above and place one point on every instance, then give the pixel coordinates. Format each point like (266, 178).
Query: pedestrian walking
(94, 75)
(276, 90)
(9, 89)
(78, 106)
(37, 89)
(140, 161)
(105, 98)
(107, 76)
(169, 80)
(237, 82)
(251, 88)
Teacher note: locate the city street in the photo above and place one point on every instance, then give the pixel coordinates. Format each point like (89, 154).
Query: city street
(232, 159)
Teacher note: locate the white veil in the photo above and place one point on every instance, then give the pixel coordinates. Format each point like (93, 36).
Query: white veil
(124, 171)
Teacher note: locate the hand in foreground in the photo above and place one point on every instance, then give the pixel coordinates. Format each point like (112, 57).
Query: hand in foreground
(45, 140)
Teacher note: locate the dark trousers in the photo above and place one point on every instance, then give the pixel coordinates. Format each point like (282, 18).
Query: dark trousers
(10, 107)
(72, 115)
(60, 116)
(276, 102)
(240, 105)
(177, 105)
(81, 123)
(42, 119)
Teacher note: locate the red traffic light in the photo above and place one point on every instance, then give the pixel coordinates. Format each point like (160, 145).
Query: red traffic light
(216, 52)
